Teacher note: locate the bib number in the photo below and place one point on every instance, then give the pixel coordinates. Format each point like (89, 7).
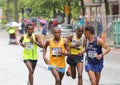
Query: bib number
(28, 45)
(92, 54)
(56, 51)
(77, 42)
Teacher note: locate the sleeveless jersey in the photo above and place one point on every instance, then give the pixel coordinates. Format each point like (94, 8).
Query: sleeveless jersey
(30, 50)
(75, 51)
(57, 59)
(93, 49)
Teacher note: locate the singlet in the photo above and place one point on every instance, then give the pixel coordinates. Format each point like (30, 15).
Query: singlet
(92, 50)
(30, 50)
(75, 51)
(57, 59)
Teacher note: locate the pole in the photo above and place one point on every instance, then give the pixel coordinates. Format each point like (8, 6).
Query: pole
(22, 11)
(69, 15)
(83, 7)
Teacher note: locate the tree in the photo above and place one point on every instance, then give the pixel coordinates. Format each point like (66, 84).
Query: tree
(14, 7)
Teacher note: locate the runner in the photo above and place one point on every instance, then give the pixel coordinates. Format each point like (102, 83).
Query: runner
(75, 60)
(95, 55)
(30, 41)
(58, 47)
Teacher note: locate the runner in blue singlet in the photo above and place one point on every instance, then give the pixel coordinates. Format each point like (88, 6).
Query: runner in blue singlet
(95, 55)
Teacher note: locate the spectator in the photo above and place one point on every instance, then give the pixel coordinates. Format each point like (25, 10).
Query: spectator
(54, 23)
(99, 25)
(81, 20)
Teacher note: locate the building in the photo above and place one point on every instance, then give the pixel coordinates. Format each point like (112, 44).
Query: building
(93, 7)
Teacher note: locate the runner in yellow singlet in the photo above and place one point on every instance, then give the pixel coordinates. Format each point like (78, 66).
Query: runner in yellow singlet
(75, 60)
(59, 48)
(30, 41)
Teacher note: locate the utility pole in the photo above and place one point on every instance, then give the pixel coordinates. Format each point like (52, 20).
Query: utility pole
(83, 7)
(69, 15)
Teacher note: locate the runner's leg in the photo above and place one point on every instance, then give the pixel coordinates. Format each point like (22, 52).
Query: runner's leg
(56, 76)
(73, 71)
(29, 66)
(68, 72)
(92, 77)
(34, 65)
(97, 77)
(61, 77)
(80, 70)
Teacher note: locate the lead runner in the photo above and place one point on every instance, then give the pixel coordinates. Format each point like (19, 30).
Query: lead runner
(56, 61)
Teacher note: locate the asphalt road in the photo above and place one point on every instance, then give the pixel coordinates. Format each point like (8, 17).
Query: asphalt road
(14, 72)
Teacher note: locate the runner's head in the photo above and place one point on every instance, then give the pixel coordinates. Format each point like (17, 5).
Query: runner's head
(56, 32)
(29, 28)
(79, 30)
(89, 30)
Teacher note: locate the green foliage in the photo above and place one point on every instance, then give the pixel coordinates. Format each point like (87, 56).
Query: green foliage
(43, 7)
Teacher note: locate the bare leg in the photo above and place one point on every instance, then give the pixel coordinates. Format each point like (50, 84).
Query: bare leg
(29, 66)
(97, 77)
(56, 75)
(73, 72)
(80, 70)
(92, 77)
(61, 77)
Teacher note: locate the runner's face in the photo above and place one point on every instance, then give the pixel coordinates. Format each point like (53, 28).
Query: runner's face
(57, 33)
(80, 31)
(86, 33)
(30, 29)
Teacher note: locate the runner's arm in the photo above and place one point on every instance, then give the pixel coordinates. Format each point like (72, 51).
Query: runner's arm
(38, 41)
(84, 47)
(21, 41)
(66, 45)
(104, 45)
(45, 51)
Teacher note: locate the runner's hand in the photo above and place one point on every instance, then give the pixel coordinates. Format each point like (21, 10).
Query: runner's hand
(80, 53)
(23, 45)
(99, 57)
(76, 45)
(46, 61)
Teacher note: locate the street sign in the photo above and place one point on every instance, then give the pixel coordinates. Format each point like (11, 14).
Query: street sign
(67, 9)
(0, 12)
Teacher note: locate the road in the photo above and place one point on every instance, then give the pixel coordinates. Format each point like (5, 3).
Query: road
(14, 72)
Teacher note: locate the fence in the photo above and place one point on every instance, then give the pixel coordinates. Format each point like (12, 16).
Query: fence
(113, 28)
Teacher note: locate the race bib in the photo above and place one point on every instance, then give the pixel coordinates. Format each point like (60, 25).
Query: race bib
(92, 54)
(28, 45)
(77, 42)
(56, 51)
